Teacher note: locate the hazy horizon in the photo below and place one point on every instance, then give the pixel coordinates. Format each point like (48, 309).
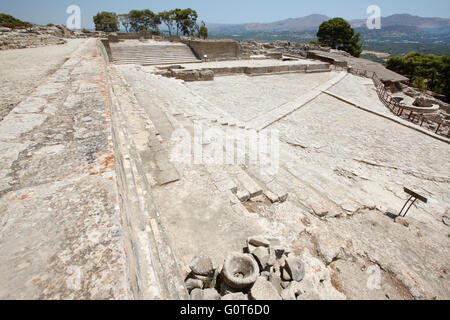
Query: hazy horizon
(231, 12)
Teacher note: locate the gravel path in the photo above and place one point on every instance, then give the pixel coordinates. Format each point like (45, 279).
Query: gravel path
(22, 70)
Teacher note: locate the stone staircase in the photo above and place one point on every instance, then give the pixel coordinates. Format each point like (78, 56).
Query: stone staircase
(151, 53)
(182, 106)
(153, 269)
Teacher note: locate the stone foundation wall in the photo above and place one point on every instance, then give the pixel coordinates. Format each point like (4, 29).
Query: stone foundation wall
(215, 49)
(339, 63)
(105, 50)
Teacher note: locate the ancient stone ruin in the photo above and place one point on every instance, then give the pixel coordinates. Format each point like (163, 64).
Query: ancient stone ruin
(266, 271)
(140, 167)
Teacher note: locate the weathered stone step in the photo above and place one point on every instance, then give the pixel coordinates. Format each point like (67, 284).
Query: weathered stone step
(153, 62)
(137, 57)
(173, 60)
(156, 159)
(272, 189)
(247, 188)
(156, 271)
(152, 54)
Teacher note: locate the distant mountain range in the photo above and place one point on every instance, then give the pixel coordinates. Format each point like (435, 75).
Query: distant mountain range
(312, 22)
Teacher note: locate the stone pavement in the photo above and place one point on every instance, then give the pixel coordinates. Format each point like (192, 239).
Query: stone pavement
(343, 168)
(60, 226)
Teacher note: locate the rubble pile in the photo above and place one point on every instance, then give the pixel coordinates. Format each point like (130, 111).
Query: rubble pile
(266, 270)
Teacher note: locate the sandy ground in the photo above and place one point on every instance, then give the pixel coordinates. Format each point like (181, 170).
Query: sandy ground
(22, 70)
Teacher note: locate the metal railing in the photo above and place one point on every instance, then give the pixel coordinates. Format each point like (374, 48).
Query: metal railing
(398, 108)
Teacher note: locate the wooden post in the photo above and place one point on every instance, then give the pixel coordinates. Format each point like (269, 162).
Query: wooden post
(439, 126)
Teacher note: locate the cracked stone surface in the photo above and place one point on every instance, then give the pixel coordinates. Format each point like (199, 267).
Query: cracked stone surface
(343, 168)
(60, 230)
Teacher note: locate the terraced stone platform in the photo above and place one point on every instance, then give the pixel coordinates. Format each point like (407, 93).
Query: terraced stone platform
(149, 52)
(95, 203)
(61, 234)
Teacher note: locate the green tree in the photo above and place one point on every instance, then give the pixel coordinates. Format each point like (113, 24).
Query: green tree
(9, 21)
(144, 21)
(424, 71)
(338, 34)
(6, 18)
(203, 31)
(186, 21)
(168, 18)
(106, 21)
(124, 21)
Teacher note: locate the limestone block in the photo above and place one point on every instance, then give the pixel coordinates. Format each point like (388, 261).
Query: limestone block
(264, 290)
(202, 265)
(295, 268)
(206, 75)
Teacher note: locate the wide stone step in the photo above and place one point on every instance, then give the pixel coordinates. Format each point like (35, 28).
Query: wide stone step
(152, 54)
(157, 272)
(188, 51)
(152, 50)
(151, 63)
(154, 58)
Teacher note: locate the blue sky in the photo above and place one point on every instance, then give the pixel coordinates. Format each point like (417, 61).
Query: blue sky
(226, 11)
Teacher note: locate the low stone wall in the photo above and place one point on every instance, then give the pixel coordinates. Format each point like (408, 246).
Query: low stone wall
(193, 75)
(105, 50)
(215, 49)
(22, 38)
(339, 63)
(209, 74)
(133, 35)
